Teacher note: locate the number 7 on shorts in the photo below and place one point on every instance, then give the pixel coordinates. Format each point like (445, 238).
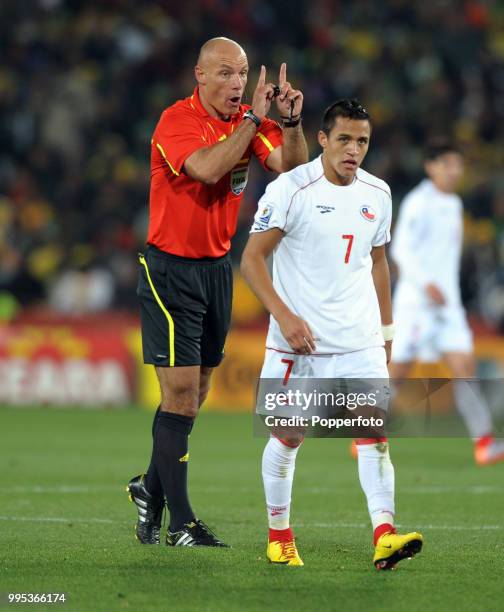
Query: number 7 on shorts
(290, 365)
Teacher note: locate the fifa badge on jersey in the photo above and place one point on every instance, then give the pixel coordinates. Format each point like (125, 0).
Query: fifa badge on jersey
(264, 216)
(368, 213)
(239, 177)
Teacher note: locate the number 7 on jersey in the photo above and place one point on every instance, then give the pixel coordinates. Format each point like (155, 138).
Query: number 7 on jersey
(350, 238)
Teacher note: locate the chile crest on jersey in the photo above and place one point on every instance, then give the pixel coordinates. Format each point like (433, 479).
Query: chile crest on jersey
(368, 213)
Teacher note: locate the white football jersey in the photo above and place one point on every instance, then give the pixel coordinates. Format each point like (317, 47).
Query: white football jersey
(322, 266)
(427, 246)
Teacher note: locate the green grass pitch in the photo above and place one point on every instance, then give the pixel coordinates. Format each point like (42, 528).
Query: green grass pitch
(66, 524)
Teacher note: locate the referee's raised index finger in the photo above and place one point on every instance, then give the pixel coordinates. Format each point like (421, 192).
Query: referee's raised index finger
(262, 77)
(282, 78)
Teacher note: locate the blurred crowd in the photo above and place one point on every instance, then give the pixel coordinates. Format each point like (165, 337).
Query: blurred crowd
(82, 85)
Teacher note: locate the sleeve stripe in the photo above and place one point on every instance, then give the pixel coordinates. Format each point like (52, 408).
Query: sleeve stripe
(158, 146)
(376, 187)
(210, 126)
(294, 195)
(265, 141)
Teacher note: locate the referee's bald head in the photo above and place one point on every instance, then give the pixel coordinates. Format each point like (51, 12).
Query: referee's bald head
(219, 46)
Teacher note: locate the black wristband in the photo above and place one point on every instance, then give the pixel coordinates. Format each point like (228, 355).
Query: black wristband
(250, 115)
(287, 122)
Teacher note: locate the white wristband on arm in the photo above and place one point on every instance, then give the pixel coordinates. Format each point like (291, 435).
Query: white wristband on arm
(388, 332)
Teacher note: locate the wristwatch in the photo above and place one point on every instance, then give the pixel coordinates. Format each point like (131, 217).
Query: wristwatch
(250, 115)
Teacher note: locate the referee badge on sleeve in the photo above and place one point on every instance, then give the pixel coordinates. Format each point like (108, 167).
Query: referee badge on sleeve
(239, 178)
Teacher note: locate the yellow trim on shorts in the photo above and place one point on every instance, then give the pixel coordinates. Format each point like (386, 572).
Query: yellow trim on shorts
(171, 326)
(265, 140)
(161, 150)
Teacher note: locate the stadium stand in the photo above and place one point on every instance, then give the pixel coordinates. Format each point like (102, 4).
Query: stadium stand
(82, 86)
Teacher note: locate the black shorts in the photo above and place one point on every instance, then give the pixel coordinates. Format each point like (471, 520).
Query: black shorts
(185, 308)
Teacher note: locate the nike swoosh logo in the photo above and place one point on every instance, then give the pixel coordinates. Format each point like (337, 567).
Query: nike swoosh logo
(388, 546)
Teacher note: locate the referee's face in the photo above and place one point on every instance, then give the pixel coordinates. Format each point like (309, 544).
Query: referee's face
(222, 78)
(344, 149)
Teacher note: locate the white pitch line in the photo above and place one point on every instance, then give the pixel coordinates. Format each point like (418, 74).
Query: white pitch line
(471, 489)
(60, 489)
(342, 525)
(423, 489)
(416, 490)
(54, 519)
(429, 526)
(420, 489)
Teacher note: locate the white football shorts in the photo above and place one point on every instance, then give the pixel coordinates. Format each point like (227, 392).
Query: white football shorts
(367, 363)
(359, 372)
(425, 334)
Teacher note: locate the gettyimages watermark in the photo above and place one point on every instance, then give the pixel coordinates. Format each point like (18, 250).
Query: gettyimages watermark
(375, 408)
(318, 421)
(318, 406)
(313, 399)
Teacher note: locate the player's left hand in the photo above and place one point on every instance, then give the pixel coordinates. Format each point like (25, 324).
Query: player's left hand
(388, 350)
(287, 93)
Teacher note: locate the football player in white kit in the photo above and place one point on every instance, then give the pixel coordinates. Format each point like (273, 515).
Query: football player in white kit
(327, 223)
(428, 313)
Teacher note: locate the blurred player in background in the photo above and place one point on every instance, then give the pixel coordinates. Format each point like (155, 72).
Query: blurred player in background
(428, 313)
(327, 223)
(201, 149)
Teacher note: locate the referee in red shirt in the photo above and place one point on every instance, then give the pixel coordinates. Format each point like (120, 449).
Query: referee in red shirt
(201, 150)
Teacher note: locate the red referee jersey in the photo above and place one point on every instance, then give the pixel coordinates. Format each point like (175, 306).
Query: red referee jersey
(188, 218)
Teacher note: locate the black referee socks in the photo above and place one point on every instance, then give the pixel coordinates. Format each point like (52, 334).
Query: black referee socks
(154, 420)
(170, 456)
(152, 482)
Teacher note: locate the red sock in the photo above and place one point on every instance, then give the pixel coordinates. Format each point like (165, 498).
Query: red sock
(484, 441)
(381, 529)
(281, 535)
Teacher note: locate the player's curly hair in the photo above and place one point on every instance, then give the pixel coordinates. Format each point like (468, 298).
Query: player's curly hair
(349, 108)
